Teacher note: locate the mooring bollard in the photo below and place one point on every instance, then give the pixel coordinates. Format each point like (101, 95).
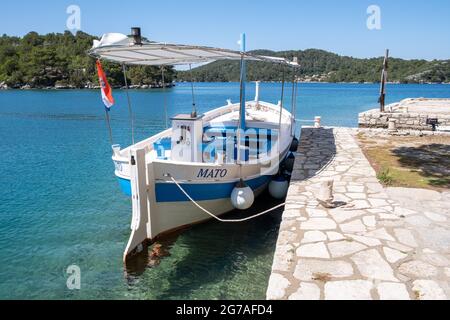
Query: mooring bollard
(317, 122)
(326, 191)
(392, 125)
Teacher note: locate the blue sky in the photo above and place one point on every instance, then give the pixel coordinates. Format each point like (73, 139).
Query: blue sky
(411, 29)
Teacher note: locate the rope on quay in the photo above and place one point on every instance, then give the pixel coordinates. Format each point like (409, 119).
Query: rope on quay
(215, 216)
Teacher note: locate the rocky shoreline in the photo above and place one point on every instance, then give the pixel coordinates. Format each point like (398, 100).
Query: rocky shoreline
(4, 86)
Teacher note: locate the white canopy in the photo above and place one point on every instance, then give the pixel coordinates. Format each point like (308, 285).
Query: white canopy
(120, 48)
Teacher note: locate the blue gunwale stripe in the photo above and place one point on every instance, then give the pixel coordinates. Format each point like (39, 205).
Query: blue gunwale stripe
(169, 192)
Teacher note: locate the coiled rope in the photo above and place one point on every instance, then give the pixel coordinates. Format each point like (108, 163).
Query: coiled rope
(215, 216)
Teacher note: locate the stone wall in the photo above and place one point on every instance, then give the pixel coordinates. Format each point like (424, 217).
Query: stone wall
(416, 121)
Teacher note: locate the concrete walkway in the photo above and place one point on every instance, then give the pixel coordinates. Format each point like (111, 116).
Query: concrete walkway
(371, 248)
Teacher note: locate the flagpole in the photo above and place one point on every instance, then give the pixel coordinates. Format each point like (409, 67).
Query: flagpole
(108, 122)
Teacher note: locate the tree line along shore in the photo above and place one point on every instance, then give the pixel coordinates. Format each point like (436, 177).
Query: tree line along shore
(60, 61)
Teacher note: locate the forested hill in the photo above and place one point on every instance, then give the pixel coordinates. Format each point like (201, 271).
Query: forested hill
(319, 65)
(61, 60)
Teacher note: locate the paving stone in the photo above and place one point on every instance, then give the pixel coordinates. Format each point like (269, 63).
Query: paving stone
(370, 221)
(286, 237)
(373, 266)
(344, 248)
(380, 195)
(388, 216)
(353, 226)
(428, 290)
(361, 204)
(378, 202)
(334, 236)
(393, 255)
(392, 291)
(374, 187)
(293, 212)
(380, 234)
(288, 224)
(308, 269)
(418, 221)
(398, 246)
(406, 237)
(313, 250)
(277, 287)
(436, 259)
(418, 269)
(341, 215)
(356, 189)
(319, 224)
(414, 194)
(447, 272)
(314, 236)
(283, 258)
(316, 213)
(404, 212)
(348, 290)
(376, 210)
(306, 291)
(356, 196)
(436, 217)
(371, 242)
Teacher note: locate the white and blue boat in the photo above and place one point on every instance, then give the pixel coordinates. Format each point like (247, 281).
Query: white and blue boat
(213, 162)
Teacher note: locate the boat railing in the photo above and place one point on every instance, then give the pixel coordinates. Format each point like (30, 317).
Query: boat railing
(147, 145)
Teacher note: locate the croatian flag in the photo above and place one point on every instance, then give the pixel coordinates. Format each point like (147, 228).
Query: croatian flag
(107, 97)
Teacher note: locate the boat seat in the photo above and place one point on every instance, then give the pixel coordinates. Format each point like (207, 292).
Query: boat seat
(162, 146)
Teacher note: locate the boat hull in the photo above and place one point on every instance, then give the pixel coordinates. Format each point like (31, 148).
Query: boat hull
(158, 179)
(172, 216)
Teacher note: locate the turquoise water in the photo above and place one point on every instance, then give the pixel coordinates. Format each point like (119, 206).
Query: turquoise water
(60, 203)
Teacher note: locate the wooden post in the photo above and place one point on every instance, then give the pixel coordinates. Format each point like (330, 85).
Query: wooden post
(384, 74)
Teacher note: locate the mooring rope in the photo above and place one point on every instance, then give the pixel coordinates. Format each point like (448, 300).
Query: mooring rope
(215, 216)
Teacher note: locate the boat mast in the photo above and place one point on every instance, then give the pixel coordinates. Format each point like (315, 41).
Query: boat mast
(242, 80)
(241, 125)
(194, 105)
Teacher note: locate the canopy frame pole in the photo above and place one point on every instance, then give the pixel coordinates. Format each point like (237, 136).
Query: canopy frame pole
(241, 125)
(281, 105)
(296, 97)
(166, 116)
(130, 109)
(293, 92)
(282, 97)
(243, 79)
(108, 123)
(194, 105)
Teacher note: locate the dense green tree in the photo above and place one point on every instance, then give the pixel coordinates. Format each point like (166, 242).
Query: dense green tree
(59, 59)
(319, 65)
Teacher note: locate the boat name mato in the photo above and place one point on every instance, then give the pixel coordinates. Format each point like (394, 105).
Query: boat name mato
(212, 173)
(204, 165)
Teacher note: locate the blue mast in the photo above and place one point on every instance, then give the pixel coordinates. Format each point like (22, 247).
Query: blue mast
(243, 80)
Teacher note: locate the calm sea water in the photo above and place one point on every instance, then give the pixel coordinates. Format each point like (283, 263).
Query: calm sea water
(60, 203)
